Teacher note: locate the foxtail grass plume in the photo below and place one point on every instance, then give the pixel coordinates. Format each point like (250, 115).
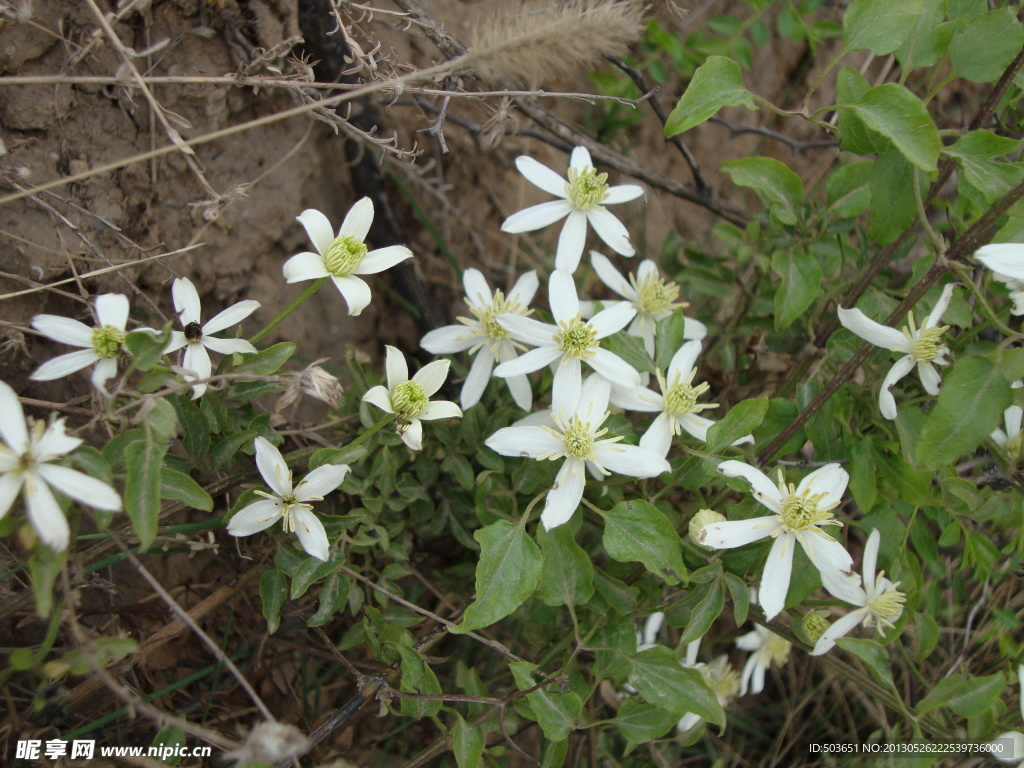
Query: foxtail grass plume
(534, 42)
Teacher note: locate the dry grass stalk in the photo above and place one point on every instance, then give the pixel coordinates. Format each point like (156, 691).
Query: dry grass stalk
(537, 41)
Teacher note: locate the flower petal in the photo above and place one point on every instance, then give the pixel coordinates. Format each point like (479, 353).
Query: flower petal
(380, 397)
(432, 375)
(830, 480)
(440, 409)
(355, 291)
(698, 426)
(55, 442)
(233, 315)
(381, 259)
(112, 309)
(521, 391)
(875, 333)
(694, 329)
(886, 402)
(523, 291)
(12, 420)
(777, 571)
(177, 341)
(614, 368)
(358, 220)
(45, 514)
(940, 306)
(319, 229)
(525, 442)
(256, 517)
(396, 367)
(624, 459)
(841, 627)
(612, 320)
(611, 277)
(197, 360)
(64, 329)
(658, 437)
(684, 361)
(1005, 258)
(567, 385)
(580, 158)
(528, 330)
(81, 487)
(537, 216)
(104, 371)
(931, 379)
(478, 292)
(529, 362)
(611, 230)
(479, 374)
(571, 242)
(1012, 417)
(321, 481)
(764, 490)
(835, 566)
(638, 399)
(311, 533)
(228, 346)
(562, 297)
(622, 193)
(10, 486)
(870, 559)
(738, 533)
(186, 300)
(564, 497)
(541, 176)
(449, 339)
(273, 467)
(304, 266)
(412, 434)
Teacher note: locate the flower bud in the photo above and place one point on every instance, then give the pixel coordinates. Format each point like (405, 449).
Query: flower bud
(698, 521)
(814, 624)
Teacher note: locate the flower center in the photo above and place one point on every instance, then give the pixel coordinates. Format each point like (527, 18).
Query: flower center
(287, 518)
(586, 188)
(194, 332)
(886, 607)
(577, 338)
(1015, 446)
(409, 399)
(108, 341)
(344, 256)
(721, 678)
(926, 344)
(801, 513)
(578, 439)
(681, 398)
(486, 316)
(776, 649)
(814, 625)
(654, 295)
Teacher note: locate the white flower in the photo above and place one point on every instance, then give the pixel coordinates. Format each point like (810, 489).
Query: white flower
(1012, 440)
(343, 257)
(652, 297)
(1014, 753)
(102, 344)
(410, 399)
(25, 455)
(575, 437)
(922, 347)
(569, 343)
(288, 503)
(1006, 260)
(766, 648)
(799, 512)
(485, 337)
(649, 636)
(879, 601)
(676, 406)
(198, 338)
(718, 674)
(583, 198)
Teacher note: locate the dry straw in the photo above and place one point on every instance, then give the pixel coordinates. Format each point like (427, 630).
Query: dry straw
(533, 42)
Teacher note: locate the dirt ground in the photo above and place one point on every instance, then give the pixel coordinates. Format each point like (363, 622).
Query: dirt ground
(235, 209)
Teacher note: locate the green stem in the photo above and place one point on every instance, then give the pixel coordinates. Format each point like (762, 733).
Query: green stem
(382, 422)
(963, 272)
(288, 310)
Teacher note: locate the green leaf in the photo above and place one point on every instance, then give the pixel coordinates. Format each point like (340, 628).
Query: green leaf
(178, 486)
(147, 347)
(900, 116)
(95, 464)
(509, 569)
(928, 39)
(970, 405)
(965, 9)
(44, 565)
(467, 743)
(976, 153)
(967, 696)
(704, 613)
(333, 594)
(880, 26)
(312, 570)
(267, 361)
(741, 420)
(776, 184)
(658, 677)
(848, 189)
(638, 531)
(567, 576)
(873, 655)
(556, 713)
(631, 349)
(162, 418)
(986, 47)
(640, 722)
(273, 592)
(801, 282)
(893, 205)
(225, 451)
(739, 593)
(669, 338)
(170, 736)
(717, 83)
(142, 486)
(418, 677)
(854, 136)
(619, 597)
(195, 428)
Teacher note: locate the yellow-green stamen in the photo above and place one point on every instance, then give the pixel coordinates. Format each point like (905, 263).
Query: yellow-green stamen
(577, 338)
(409, 399)
(108, 341)
(586, 188)
(926, 344)
(654, 296)
(344, 256)
(804, 512)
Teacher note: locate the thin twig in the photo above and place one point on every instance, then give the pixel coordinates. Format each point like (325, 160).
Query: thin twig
(795, 146)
